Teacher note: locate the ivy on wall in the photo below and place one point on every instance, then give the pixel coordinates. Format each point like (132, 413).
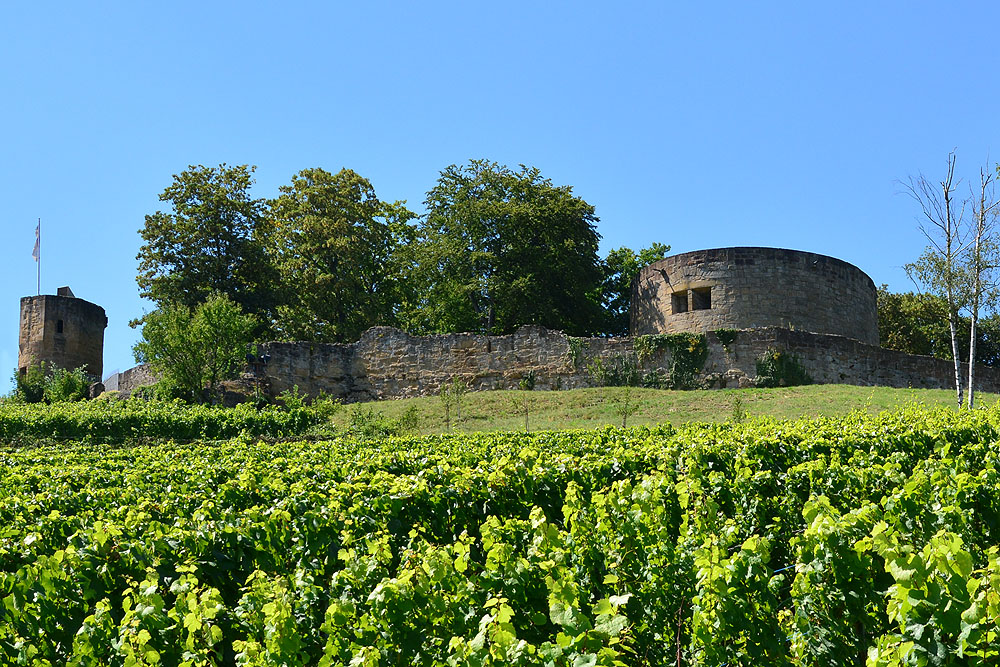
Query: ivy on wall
(688, 353)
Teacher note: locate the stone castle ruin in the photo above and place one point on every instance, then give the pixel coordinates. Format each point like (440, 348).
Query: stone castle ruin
(752, 288)
(743, 304)
(61, 330)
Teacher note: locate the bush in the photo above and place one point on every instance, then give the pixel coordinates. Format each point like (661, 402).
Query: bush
(292, 398)
(368, 423)
(64, 385)
(43, 382)
(29, 386)
(776, 368)
(620, 370)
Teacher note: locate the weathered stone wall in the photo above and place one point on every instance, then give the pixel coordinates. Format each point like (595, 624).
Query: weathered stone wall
(63, 331)
(747, 288)
(388, 363)
(831, 359)
(129, 380)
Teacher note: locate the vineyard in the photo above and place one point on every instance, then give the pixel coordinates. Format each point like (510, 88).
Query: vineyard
(849, 541)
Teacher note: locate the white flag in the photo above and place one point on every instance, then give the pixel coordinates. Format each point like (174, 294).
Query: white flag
(38, 232)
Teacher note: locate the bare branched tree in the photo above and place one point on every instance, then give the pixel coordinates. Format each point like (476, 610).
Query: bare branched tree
(982, 261)
(939, 268)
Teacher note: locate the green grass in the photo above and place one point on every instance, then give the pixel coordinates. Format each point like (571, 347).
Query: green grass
(590, 408)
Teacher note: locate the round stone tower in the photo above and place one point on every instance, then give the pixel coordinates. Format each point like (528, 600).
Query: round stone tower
(63, 331)
(745, 288)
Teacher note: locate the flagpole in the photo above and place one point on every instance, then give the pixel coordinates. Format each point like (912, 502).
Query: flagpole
(38, 279)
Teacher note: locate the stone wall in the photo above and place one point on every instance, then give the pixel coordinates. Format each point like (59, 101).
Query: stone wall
(831, 359)
(131, 379)
(388, 363)
(63, 331)
(748, 288)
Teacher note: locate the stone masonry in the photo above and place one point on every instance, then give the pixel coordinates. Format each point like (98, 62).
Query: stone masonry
(749, 288)
(62, 330)
(389, 363)
(819, 309)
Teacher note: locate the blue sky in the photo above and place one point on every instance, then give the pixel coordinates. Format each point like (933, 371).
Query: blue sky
(775, 124)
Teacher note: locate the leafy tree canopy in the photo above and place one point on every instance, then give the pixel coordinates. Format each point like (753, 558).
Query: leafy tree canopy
(620, 268)
(336, 249)
(193, 349)
(500, 248)
(207, 243)
(918, 324)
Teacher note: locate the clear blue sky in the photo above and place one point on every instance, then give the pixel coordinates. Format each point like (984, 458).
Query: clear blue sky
(776, 124)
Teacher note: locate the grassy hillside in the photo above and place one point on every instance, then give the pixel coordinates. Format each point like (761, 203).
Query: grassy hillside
(589, 408)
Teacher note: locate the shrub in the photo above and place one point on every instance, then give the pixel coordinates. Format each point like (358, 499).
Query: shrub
(29, 386)
(368, 423)
(620, 370)
(64, 385)
(292, 398)
(777, 368)
(43, 382)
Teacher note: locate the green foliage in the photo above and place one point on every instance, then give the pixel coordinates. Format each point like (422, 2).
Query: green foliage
(335, 246)
(576, 346)
(777, 368)
(739, 412)
(727, 336)
(452, 394)
(918, 324)
(522, 401)
(620, 269)
(42, 382)
(29, 386)
(619, 370)
(64, 385)
(210, 242)
(367, 423)
(688, 353)
(292, 399)
(194, 350)
(863, 540)
(625, 405)
(527, 383)
(500, 248)
(132, 420)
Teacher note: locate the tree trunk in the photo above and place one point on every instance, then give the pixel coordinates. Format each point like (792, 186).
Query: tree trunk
(952, 326)
(972, 356)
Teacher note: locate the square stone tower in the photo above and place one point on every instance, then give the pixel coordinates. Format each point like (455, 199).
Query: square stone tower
(62, 331)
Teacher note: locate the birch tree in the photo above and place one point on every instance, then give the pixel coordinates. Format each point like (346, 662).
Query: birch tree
(939, 268)
(982, 261)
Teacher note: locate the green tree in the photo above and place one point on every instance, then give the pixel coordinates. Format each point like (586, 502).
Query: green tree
(335, 246)
(209, 242)
(501, 248)
(914, 323)
(194, 349)
(620, 269)
(918, 324)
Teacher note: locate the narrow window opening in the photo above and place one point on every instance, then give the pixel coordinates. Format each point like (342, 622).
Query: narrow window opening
(59, 326)
(701, 298)
(679, 301)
